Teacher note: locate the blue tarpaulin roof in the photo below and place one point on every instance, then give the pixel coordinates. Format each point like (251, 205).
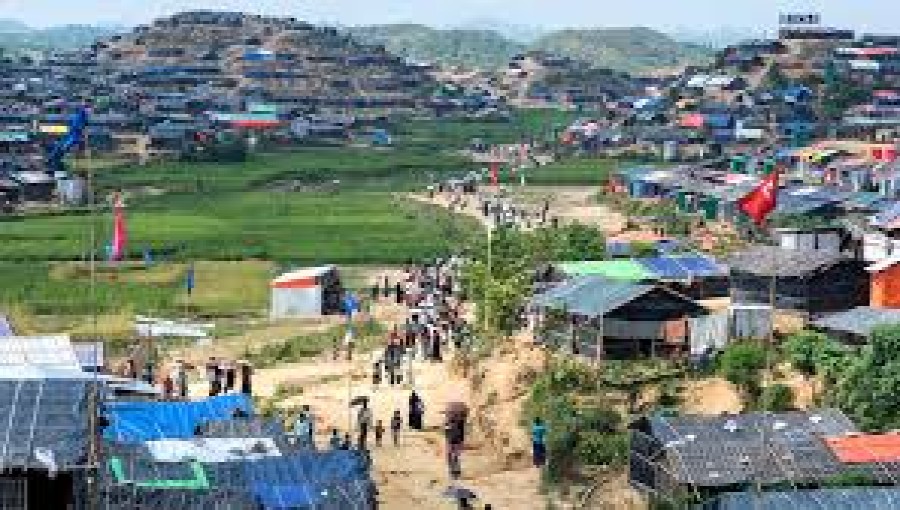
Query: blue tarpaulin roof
(132, 422)
(312, 480)
(682, 267)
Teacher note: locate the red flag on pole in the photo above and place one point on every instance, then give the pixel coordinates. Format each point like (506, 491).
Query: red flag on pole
(495, 173)
(120, 234)
(762, 200)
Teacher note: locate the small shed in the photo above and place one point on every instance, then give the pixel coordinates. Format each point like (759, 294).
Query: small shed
(306, 292)
(809, 281)
(715, 454)
(617, 319)
(855, 325)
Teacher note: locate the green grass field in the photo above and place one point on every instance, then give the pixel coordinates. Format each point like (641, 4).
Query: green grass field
(587, 171)
(308, 228)
(242, 222)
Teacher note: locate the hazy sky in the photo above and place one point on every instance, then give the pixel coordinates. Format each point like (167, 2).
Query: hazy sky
(871, 15)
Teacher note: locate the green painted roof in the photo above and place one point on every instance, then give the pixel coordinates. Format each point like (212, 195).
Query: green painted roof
(627, 270)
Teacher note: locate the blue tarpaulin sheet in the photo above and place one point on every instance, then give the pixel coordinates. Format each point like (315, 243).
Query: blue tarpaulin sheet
(132, 422)
(5, 327)
(681, 267)
(665, 268)
(333, 479)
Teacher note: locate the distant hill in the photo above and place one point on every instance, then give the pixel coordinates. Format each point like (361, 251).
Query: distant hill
(469, 47)
(625, 49)
(15, 35)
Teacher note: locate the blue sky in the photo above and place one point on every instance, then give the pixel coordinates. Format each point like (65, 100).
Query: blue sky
(870, 15)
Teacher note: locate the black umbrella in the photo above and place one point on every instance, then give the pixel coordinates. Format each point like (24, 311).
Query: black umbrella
(458, 493)
(360, 400)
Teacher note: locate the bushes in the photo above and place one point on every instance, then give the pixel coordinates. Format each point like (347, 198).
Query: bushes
(595, 448)
(578, 434)
(777, 398)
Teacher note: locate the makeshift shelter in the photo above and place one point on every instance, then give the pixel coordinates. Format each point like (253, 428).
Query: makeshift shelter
(45, 401)
(306, 292)
(695, 275)
(282, 477)
(809, 281)
(593, 315)
(810, 499)
(723, 453)
(855, 325)
(132, 422)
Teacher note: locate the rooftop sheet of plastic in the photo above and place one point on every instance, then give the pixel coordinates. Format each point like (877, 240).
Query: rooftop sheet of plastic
(302, 479)
(849, 498)
(612, 269)
(144, 421)
(334, 479)
(44, 424)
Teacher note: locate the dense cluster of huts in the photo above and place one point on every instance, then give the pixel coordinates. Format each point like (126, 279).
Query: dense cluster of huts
(759, 92)
(195, 78)
(77, 437)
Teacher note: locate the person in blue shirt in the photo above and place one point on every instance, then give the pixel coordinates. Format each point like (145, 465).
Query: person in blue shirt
(538, 442)
(334, 441)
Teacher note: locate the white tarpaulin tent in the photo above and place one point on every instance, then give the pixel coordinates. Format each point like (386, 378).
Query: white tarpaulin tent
(212, 449)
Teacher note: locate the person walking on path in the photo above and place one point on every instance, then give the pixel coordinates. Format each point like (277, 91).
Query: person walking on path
(396, 425)
(363, 424)
(538, 442)
(179, 376)
(334, 440)
(246, 377)
(304, 428)
(212, 376)
(416, 410)
(379, 432)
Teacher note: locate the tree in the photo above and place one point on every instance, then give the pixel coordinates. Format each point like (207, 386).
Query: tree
(581, 242)
(869, 387)
(741, 364)
(803, 349)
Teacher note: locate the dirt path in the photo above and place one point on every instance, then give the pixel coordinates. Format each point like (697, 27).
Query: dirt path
(413, 475)
(569, 204)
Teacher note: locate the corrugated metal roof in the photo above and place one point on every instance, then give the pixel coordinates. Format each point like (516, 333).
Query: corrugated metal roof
(769, 260)
(848, 498)
(45, 423)
(299, 274)
(591, 296)
(716, 451)
(627, 270)
(861, 449)
(858, 321)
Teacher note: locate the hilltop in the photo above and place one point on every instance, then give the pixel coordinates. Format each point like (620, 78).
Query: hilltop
(15, 35)
(635, 49)
(482, 48)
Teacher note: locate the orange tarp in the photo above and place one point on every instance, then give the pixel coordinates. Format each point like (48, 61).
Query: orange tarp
(299, 283)
(865, 448)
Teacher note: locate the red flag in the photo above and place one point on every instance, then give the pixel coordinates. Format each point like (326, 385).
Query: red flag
(762, 200)
(495, 173)
(120, 235)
